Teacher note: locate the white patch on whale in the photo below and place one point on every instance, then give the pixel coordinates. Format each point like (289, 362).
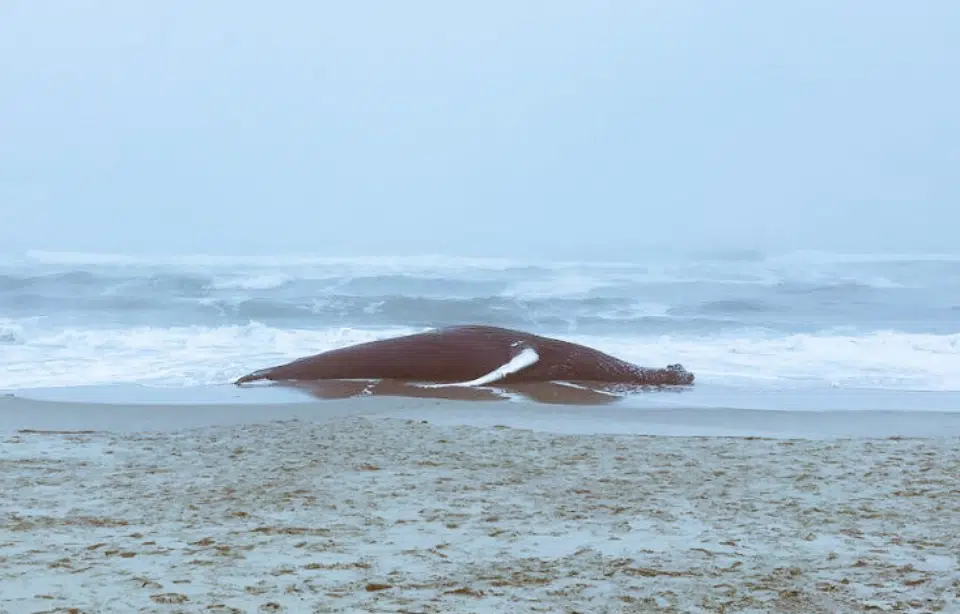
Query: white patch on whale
(519, 362)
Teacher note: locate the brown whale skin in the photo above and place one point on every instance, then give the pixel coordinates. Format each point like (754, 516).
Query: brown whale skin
(464, 353)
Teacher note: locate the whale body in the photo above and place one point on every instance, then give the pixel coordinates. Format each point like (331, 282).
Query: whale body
(470, 356)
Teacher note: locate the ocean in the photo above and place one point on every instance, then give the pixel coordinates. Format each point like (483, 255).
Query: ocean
(803, 330)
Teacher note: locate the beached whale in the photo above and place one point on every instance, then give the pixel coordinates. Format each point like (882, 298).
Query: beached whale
(470, 356)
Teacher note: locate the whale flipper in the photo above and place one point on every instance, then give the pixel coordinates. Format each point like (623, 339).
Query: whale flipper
(255, 376)
(519, 362)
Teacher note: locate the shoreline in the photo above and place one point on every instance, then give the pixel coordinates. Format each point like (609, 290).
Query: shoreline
(18, 413)
(385, 513)
(702, 395)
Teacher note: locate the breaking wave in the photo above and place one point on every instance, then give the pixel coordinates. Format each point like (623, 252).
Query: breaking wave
(36, 356)
(878, 320)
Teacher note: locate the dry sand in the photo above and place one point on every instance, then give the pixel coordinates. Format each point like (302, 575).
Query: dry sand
(383, 514)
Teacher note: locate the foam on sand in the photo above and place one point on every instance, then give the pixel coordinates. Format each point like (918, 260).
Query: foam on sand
(388, 514)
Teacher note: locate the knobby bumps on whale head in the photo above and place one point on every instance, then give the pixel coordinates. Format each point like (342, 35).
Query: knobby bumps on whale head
(672, 375)
(681, 375)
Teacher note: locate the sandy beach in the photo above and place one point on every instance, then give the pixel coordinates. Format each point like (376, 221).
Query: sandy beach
(384, 507)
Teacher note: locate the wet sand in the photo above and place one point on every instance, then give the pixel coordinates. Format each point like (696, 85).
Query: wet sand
(147, 414)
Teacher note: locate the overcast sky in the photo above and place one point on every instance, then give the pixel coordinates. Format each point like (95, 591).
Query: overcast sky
(502, 127)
